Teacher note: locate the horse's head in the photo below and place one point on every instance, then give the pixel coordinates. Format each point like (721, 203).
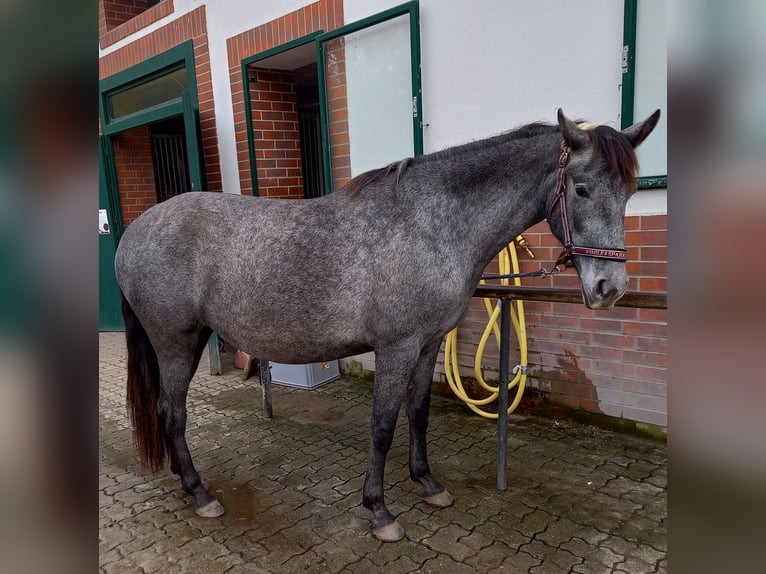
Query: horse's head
(596, 177)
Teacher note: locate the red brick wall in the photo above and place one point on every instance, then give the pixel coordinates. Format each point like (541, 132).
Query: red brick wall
(191, 26)
(325, 15)
(337, 112)
(609, 361)
(135, 175)
(117, 19)
(275, 132)
(118, 11)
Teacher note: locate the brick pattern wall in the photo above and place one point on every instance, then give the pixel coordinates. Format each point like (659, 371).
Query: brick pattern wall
(337, 112)
(275, 132)
(118, 11)
(135, 175)
(323, 15)
(610, 361)
(191, 26)
(117, 19)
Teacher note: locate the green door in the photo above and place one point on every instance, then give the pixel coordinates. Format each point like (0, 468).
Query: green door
(193, 142)
(109, 298)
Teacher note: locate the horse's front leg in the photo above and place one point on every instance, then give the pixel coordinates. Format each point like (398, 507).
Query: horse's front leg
(393, 371)
(418, 404)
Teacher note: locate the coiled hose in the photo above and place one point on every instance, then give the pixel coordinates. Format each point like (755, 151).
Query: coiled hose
(508, 263)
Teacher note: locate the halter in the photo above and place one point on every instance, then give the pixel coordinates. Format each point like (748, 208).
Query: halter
(559, 196)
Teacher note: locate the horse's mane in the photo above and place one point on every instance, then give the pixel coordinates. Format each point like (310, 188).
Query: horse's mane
(364, 179)
(609, 145)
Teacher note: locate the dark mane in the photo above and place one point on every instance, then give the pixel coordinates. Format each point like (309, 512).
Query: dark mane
(609, 146)
(616, 151)
(364, 179)
(369, 177)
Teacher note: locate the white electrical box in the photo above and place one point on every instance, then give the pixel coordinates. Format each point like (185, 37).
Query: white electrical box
(308, 376)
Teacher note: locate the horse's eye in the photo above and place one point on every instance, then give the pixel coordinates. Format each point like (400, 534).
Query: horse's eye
(581, 190)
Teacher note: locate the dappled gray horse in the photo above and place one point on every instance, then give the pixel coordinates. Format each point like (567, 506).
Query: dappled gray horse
(391, 261)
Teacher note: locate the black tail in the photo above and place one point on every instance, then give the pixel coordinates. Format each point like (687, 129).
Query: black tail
(143, 390)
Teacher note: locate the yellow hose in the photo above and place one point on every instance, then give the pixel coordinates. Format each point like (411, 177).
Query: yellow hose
(508, 263)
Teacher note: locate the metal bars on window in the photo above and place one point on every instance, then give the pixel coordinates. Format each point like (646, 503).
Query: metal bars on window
(170, 165)
(309, 128)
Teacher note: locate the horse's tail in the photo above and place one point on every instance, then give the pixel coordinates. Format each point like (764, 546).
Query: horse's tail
(143, 391)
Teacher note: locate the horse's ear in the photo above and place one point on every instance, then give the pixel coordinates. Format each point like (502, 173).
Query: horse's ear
(572, 135)
(640, 131)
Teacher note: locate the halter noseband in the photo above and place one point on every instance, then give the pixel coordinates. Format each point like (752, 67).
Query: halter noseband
(559, 196)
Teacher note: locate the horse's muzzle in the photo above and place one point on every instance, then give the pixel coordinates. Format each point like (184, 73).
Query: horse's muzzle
(601, 290)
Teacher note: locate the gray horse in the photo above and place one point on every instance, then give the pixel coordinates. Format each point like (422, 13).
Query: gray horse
(387, 264)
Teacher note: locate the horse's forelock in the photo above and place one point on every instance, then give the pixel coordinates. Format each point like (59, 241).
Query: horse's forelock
(615, 150)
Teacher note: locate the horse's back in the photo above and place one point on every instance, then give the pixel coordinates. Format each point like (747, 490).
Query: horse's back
(297, 281)
(254, 270)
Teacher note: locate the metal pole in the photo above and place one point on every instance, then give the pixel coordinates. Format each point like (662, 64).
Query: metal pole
(502, 399)
(266, 388)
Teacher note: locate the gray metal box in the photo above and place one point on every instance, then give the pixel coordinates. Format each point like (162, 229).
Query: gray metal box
(308, 376)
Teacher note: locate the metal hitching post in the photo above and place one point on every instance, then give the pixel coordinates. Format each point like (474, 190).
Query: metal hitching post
(266, 388)
(502, 398)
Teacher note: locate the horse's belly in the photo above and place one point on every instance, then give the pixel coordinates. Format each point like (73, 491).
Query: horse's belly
(286, 341)
(299, 352)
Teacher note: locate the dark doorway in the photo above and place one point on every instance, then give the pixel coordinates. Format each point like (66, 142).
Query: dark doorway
(169, 160)
(309, 128)
(285, 123)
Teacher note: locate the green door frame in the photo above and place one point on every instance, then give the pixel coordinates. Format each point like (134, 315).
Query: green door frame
(187, 105)
(181, 56)
(109, 297)
(319, 37)
(248, 106)
(410, 8)
(629, 33)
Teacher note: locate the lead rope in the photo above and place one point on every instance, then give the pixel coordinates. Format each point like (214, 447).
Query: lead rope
(507, 259)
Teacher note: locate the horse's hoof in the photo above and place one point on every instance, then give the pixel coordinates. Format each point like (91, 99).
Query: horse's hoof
(212, 509)
(441, 499)
(389, 533)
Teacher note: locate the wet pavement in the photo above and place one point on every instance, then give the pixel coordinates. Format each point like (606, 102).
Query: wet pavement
(579, 499)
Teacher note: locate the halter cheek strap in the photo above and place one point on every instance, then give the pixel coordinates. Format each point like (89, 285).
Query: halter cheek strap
(560, 197)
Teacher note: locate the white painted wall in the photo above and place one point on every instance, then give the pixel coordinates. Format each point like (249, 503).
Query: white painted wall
(487, 66)
(492, 65)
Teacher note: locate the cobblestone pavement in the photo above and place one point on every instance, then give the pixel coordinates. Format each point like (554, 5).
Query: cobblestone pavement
(579, 499)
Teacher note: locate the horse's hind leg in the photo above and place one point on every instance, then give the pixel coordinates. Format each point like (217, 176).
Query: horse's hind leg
(177, 366)
(418, 404)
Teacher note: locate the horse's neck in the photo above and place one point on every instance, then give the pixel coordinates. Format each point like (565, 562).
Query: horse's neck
(497, 194)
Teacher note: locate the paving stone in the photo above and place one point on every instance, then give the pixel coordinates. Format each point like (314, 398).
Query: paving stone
(559, 557)
(247, 568)
(489, 557)
(292, 487)
(442, 564)
(388, 554)
(447, 541)
(519, 563)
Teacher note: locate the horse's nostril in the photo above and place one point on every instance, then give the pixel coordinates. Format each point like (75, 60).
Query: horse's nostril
(601, 288)
(604, 290)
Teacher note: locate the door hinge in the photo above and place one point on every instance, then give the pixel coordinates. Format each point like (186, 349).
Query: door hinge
(625, 58)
